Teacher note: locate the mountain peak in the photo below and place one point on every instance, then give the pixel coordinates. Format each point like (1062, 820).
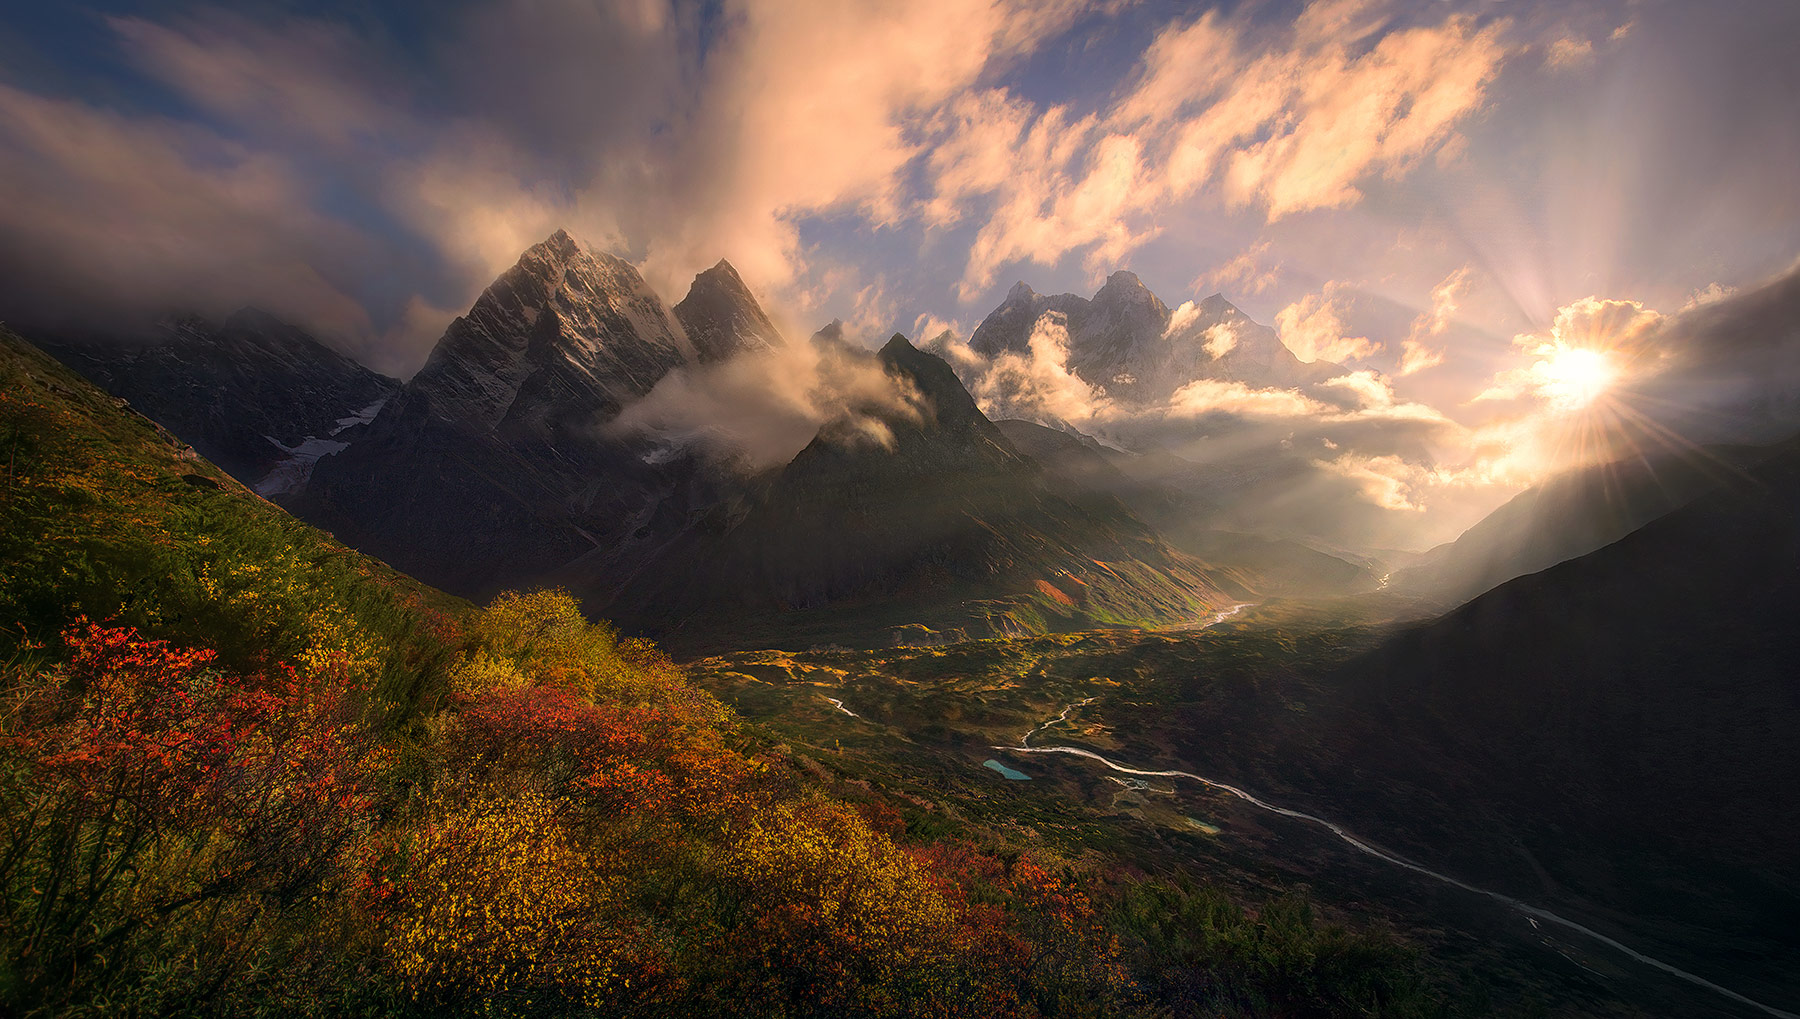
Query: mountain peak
(1021, 291)
(722, 271)
(948, 403)
(584, 324)
(1124, 290)
(896, 346)
(1217, 305)
(721, 317)
(559, 245)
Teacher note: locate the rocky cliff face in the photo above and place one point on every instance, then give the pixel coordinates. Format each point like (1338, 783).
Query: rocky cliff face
(563, 336)
(722, 317)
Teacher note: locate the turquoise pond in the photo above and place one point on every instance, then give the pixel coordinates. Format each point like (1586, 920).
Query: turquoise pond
(1016, 776)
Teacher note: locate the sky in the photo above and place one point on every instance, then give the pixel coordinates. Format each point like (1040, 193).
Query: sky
(1436, 194)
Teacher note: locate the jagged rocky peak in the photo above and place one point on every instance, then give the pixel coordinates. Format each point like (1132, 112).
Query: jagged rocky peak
(944, 404)
(566, 326)
(1124, 287)
(1009, 326)
(933, 431)
(722, 317)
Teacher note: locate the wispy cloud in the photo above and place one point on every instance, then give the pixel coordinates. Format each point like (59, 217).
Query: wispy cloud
(1313, 328)
(1419, 350)
(1280, 122)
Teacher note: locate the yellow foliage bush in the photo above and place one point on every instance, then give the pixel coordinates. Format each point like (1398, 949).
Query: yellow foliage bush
(543, 634)
(497, 899)
(820, 870)
(277, 596)
(480, 672)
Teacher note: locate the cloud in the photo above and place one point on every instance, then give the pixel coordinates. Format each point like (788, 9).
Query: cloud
(1036, 385)
(927, 327)
(1313, 328)
(1416, 354)
(301, 77)
(1279, 121)
(1208, 396)
(1244, 273)
(1182, 317)
(757, 411)
(1568, 52)
(1590, 345)
(1416, 357)
(1712, 293)
(125, 212)
(1387, 481)
(807, 106)
(1367, 388)
(1221, 339)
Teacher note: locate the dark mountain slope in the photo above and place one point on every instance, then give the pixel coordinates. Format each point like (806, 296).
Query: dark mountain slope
(929, 518)
(1280, 567)
(1568, 516)
(1618, 735)
(246, 393)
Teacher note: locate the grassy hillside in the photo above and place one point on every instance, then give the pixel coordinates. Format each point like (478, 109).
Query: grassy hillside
(245, 771)
(106, 516)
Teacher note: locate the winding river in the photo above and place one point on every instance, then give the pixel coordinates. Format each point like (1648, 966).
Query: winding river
(1360, 846)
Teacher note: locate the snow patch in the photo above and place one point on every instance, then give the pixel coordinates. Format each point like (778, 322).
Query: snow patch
(361, 417)
(291, 474)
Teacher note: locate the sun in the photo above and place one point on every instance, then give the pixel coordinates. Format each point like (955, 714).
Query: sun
(1572, 378)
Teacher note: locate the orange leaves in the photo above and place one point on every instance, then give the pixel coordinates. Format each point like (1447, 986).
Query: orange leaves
(148, 786)
(635, 760)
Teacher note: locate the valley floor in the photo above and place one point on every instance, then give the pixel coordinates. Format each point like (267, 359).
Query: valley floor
(1090, 743)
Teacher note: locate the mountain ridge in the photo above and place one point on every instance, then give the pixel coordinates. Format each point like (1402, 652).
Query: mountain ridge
(932, 524)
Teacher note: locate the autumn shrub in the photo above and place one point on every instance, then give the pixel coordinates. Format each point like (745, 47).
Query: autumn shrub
(820, 915)
(498, 900)
(163, 811)
(544, 634)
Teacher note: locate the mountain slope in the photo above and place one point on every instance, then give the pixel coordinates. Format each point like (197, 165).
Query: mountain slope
(932, 518)
(106, 515)
(1566, 517)
(492, 467)
(1277, 567)
(256, 396)
(1615, 733)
